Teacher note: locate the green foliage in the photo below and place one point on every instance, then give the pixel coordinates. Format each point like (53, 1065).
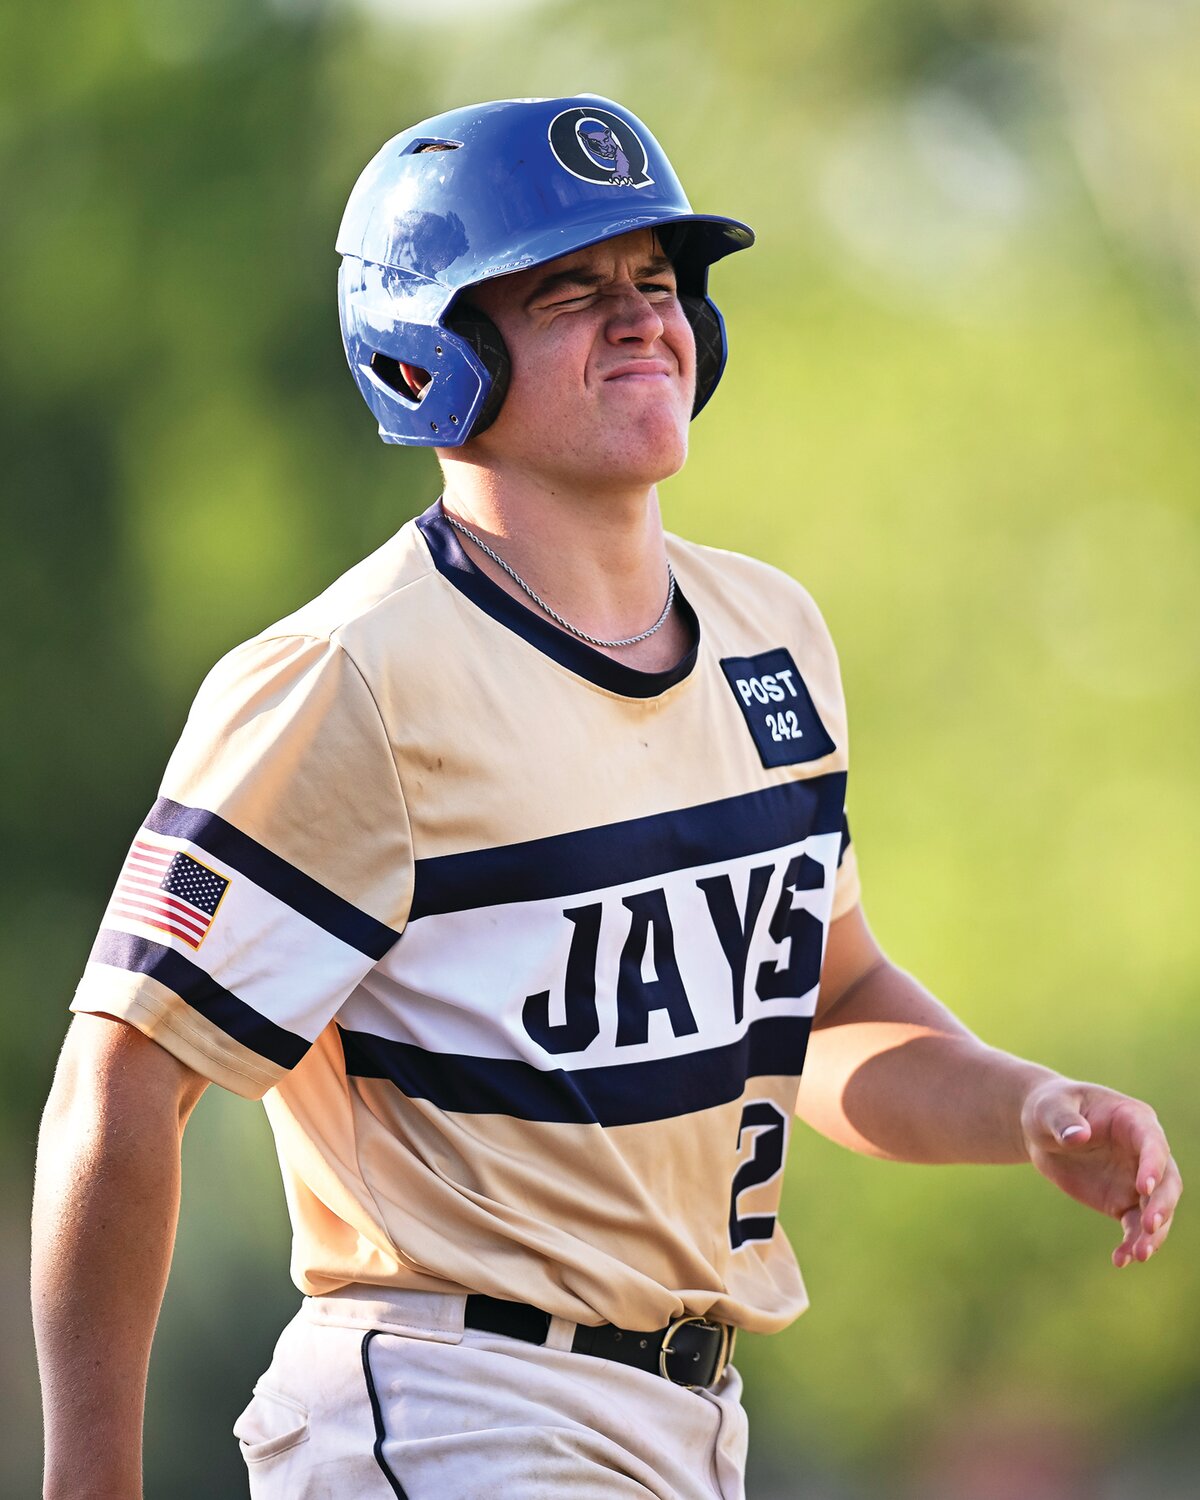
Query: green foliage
(960, 407)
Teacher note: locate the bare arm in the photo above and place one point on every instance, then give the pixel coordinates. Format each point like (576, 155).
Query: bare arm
(891, 1072)
(104, 1213)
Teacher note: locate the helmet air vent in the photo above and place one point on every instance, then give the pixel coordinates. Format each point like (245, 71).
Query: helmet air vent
(410, 382)
(418, 147)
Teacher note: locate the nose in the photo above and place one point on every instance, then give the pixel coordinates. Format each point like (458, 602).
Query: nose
(633, 317)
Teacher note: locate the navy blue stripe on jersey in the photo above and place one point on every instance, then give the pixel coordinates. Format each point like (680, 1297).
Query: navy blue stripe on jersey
(618, 1094)
(453, 563)
(138, 955)
(845, 844)
(639, 849)
(274, 875)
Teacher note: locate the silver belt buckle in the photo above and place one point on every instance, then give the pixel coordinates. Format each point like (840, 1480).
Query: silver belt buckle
(728, 1338)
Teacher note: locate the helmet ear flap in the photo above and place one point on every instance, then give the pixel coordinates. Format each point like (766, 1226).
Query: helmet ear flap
(710, 344)
(478, 330)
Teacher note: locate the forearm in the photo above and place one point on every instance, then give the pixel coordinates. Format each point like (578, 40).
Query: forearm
(891, 1072)
(105, 1209)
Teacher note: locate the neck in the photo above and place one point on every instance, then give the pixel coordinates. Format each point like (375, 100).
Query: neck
(599, 560)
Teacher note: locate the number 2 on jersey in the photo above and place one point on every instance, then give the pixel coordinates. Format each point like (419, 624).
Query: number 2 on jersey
(784, 726)
(769, 1126)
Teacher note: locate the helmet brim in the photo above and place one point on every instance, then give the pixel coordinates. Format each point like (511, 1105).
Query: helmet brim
(692, 241)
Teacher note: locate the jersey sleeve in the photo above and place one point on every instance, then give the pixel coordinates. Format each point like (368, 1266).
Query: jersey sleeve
(846, 892)
(272, 873)
(827, 675)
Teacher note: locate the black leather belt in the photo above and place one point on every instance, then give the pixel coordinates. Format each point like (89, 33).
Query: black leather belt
(692, 1352)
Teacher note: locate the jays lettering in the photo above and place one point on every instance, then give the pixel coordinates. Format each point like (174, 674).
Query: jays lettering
(586, 960)
(753, 938)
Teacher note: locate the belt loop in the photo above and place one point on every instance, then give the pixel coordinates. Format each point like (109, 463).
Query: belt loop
(560, 1334)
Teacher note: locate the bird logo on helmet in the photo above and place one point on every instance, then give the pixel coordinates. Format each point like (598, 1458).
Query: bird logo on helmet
(482, 192)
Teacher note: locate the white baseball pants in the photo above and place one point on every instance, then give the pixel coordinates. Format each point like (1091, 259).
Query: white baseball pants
(374, 1395)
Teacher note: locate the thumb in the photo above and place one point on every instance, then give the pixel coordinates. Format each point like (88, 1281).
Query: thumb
(1053, 1116)
(1057, 1115)
(1071, 1129)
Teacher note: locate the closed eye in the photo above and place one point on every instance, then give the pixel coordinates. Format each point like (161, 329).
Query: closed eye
(656, 289)
(572, 300)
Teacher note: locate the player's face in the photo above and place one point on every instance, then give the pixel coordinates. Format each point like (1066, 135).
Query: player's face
(603, 367)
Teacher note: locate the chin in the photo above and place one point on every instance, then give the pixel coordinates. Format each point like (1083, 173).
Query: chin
(634, 473)
(661, 452)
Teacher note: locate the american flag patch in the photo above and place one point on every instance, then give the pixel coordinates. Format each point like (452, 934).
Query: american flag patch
(168, 890)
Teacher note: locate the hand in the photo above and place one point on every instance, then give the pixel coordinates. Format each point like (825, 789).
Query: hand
(1109, 1152)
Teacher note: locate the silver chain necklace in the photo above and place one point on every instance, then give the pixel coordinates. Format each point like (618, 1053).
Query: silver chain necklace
(592, 640)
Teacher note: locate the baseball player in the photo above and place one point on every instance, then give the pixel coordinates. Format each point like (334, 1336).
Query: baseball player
(513, 874)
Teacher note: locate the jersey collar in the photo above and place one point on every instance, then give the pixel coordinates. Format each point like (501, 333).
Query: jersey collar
(453, 563)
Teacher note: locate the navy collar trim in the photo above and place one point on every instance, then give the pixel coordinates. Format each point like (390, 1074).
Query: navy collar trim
(452, 562)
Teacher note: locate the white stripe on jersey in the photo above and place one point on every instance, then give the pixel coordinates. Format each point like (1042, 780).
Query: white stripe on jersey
(258, 947)
(457, 982)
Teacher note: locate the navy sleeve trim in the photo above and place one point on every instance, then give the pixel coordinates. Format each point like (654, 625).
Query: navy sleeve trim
(123, 950)
(620, 1094)
(282, 880)
(639, 849)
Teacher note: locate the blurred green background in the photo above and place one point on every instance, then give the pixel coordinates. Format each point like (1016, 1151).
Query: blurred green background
(961, 406)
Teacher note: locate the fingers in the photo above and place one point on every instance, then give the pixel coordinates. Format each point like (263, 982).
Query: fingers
(1162, 1195)
(1157, 1180)
(1109, 1152)
(1137, 1245)
(1153, 1156)
(1158, 1206)
(1146, 1225)
(1123, 1254)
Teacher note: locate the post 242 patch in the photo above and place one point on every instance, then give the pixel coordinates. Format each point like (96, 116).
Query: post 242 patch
(777, 708)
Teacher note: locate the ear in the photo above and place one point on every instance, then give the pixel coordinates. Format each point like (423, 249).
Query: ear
(408, 381)
(485, 339)
(415, 378)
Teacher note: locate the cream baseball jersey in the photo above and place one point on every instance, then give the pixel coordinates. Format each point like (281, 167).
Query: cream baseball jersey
(519, 945)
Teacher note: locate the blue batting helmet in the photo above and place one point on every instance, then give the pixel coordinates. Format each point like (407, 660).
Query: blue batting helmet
(481, 192)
